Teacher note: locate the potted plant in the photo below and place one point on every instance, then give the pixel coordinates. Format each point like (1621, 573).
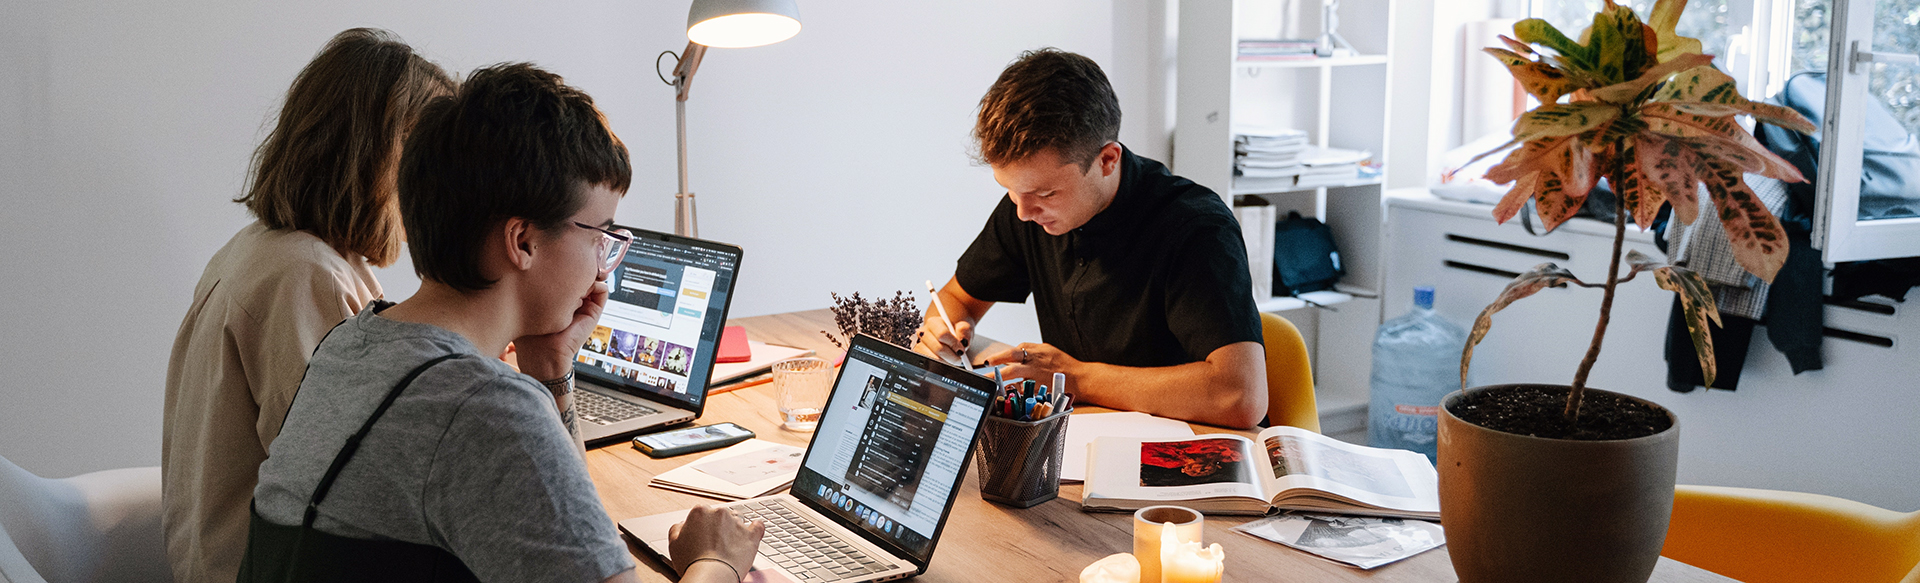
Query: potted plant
(1562, 482)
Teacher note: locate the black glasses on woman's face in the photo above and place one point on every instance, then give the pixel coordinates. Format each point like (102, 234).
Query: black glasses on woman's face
(612, 246)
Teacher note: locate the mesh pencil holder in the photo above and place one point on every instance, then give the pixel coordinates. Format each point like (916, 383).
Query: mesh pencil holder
(1019, 461)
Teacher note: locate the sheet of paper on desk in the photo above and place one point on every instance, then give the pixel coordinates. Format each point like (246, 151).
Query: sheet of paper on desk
(748, 469)
(1363, 542)
(1083, 429)
(758, 465)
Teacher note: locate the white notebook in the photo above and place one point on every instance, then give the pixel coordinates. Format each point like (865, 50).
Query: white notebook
(748, 469)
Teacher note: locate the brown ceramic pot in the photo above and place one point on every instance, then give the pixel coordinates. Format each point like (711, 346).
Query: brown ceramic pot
(1527, 509)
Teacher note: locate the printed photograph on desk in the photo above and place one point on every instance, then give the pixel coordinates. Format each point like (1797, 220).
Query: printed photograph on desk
(1187, 463)
(1361, 541)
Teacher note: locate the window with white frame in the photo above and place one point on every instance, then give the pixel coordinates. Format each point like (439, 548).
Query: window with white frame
(1869, 171)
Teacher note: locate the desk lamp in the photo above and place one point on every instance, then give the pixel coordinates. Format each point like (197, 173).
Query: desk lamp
(724, 24)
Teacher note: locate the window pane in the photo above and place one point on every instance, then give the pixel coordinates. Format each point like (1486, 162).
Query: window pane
(1890, 187)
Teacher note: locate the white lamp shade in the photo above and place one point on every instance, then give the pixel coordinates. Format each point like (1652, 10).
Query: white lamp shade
(742, 23)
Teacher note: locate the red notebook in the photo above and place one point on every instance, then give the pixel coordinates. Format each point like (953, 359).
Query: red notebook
(733, 345)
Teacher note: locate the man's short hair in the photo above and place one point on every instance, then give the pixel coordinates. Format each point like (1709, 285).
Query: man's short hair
(1047, 98)
(513, 141)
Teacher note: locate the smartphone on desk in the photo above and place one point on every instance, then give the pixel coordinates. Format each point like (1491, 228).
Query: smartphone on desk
(691, 439)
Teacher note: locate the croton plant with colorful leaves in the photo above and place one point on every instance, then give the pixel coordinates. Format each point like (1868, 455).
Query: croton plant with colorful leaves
(1635, 103)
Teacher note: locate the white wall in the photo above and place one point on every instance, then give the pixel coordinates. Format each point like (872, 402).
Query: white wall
(838, 159)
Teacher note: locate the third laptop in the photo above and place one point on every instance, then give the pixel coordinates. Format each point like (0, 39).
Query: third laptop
(877, 483)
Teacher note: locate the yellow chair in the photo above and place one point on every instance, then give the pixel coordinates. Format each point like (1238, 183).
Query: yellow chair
(1763, 536)
(1289, 375)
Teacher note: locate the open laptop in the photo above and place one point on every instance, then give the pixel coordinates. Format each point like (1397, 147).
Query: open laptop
(648, 362)
(878, 482)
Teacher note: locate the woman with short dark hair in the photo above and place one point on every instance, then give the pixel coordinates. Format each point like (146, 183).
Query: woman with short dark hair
(323, 194)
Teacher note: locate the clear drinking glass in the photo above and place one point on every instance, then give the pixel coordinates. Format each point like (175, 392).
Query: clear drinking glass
(802, 385)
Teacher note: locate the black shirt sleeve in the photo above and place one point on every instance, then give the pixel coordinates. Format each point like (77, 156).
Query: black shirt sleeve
(994, 268)
(1209, 292)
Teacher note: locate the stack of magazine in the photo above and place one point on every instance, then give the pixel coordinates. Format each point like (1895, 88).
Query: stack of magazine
(1287, 468)
(1277, 49)
(1267, 159)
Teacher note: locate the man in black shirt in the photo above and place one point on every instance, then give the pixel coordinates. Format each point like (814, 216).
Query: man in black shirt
(1139, 277)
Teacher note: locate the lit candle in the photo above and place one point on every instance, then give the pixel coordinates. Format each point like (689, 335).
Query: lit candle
(1186, 562)
(1116, 568)
(1146, 535)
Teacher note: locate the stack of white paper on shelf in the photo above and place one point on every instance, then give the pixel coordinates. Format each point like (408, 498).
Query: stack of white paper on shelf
(1267, 158)
(1324, 166)
(1256, 225)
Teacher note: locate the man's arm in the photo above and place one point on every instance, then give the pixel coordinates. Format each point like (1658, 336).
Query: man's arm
(1228, 389)
(935, 339)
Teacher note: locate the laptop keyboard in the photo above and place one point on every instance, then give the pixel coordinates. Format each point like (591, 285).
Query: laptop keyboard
(809, 552)
(604, 410)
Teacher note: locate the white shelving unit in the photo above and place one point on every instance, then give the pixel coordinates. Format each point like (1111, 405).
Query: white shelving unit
(1341, 102)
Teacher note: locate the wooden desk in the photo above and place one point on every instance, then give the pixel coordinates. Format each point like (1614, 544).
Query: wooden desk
(985, 542)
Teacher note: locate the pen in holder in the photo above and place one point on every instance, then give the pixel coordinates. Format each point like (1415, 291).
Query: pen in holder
(1019, 461)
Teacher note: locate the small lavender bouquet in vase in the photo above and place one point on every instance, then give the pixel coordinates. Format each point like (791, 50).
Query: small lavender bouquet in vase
(896, 320)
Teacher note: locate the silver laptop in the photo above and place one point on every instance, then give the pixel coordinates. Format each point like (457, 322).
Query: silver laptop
(878, 481)
(647, 364)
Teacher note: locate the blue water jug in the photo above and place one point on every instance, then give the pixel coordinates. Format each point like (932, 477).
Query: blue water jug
(1416, 361)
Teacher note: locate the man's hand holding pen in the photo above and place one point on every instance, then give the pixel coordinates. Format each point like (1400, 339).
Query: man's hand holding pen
(948, 344)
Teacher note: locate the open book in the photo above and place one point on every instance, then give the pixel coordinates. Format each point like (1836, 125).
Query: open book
(1283, 467)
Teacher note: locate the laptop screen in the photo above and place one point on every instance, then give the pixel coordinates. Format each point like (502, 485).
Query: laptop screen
(665, 311)
(891, 448)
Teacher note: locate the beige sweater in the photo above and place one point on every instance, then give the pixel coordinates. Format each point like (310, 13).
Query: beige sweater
(262, 305)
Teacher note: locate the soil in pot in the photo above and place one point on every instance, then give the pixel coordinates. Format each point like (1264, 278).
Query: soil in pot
(1538, 411)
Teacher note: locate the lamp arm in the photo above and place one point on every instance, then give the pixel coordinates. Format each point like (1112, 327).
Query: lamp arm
(689, 64)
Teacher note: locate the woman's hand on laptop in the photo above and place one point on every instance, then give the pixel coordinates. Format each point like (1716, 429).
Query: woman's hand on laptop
(550, 356)
(714, 533)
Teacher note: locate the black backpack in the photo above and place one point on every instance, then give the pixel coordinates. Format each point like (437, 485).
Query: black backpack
(1304, 257)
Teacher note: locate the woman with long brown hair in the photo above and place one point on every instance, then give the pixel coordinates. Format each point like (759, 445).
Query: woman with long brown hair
(323, 193)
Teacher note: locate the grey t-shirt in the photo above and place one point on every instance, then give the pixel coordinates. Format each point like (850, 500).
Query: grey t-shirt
(471, 458)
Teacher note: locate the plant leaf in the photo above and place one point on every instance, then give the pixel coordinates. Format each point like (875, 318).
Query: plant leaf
(1542, 276)
(1696, 305)
(1562, 119)
(1707, 85)
(1662, 19)
(1516, 45)
(1523, 190)
(1619, 42)
(1630, 91)
(1780, 116)
(1555, 201)
(1668, 166)
(1719, 137)
(1643, 202)
(1539, 32)
(1703, 84)
(1530, 157)
(1542, 80)
(1759, 244)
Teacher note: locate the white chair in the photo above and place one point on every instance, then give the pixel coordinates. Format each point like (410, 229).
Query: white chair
(92, 528)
